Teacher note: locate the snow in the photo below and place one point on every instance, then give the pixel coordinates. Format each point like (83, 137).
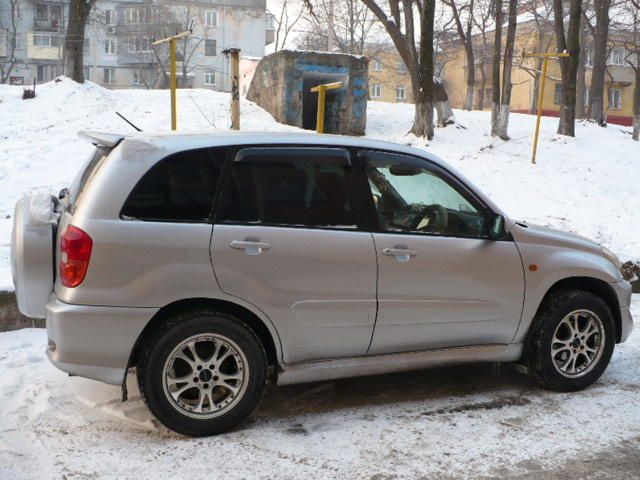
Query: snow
(586, 185)
(461, 422)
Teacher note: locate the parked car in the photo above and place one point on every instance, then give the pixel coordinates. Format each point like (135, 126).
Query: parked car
(215, 263)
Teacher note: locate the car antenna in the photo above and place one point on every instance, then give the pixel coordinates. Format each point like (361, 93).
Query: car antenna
(122, 117)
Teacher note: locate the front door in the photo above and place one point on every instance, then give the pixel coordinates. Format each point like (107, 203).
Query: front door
(442, 281)
(287, 239)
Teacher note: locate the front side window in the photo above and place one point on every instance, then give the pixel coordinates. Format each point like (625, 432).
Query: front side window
(300, 191)
(180, 188)
(411, 197)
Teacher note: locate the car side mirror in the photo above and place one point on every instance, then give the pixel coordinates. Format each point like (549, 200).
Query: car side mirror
(494, 225)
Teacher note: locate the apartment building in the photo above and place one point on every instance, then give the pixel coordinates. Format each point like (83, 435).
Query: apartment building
(530, 37)
(118, 51)
(389, 79)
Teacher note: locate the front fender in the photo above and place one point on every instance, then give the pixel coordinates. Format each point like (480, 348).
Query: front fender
(545, 265)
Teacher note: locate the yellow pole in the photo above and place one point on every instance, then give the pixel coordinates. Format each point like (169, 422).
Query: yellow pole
(172, 61)
(172, 80)
(540, 100)
(322, 95)
(321, 90)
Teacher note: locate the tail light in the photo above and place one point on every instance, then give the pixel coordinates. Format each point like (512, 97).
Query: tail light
(75, 252)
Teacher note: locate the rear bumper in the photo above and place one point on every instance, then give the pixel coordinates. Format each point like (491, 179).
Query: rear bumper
(91, 341)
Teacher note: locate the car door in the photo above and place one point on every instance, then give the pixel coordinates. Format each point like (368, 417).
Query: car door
(442, 281)
(287, 239)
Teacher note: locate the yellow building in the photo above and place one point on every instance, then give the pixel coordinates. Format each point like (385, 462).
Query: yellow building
(389, 79)
(619, 81)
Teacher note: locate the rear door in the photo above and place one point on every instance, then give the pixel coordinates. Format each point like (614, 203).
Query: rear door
(287, 238)
(442, 281)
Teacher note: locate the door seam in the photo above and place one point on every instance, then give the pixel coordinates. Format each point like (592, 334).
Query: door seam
(375, 320)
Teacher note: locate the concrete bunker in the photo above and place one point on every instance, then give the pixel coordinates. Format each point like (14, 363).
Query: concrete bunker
(283, 81)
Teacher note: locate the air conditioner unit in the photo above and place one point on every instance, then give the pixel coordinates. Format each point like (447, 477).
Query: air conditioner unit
(111, 29)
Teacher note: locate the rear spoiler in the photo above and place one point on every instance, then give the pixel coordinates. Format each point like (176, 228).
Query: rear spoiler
(102, 139)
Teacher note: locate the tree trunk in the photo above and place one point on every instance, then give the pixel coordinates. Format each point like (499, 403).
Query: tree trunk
(568, 66)
(423, 94)
(505, 97)
(495, 80)
(580, 79)
(471, 77)
(443, 107)
(483, 85)
(636, 106)
(74, 41)
(600, 40)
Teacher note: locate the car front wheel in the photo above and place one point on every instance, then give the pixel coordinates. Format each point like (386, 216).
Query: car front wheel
(203, 374)
(572, 341)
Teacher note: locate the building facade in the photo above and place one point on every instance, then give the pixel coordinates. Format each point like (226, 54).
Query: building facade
(389, 79)
(118, 51)
(530, 37)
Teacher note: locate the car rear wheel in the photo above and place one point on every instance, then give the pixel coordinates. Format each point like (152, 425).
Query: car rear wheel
(572, 341)
(203, 374)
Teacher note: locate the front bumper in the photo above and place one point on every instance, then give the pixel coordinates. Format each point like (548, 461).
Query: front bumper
(92, 341)
(623, 292)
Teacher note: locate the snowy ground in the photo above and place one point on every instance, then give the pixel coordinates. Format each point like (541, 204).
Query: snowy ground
(587, 184)
(464, 422)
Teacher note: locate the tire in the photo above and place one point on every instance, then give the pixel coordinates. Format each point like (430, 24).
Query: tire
(555, 326)
(212, 391)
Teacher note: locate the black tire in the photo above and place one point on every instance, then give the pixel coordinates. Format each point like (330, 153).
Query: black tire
(543, 329)
(176, 330)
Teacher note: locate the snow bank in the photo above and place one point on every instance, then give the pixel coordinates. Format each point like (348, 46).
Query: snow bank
(587, 185)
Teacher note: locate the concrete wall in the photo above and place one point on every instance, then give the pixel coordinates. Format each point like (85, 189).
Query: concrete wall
(282, 81)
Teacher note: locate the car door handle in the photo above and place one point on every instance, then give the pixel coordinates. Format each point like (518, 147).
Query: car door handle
(402, 254)
(250, 247)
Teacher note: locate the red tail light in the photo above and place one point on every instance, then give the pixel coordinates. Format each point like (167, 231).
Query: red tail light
(75, 252)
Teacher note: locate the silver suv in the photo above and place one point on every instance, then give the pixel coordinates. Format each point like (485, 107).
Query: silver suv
(214, 263)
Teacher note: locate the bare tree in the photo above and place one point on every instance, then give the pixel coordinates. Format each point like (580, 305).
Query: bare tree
(416, 51)
(353, 27)
(600, 33)
(464, 27)
(500, 118)
(7, 68)
(79, 11)
(495, 67)
(290, 14)
(631, 31)
(483, 20)
(570, 43)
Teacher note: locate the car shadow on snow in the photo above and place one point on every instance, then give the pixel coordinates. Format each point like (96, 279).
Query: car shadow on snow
(443, 390)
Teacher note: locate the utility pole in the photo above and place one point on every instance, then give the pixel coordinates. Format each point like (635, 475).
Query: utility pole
(330, 39)
(235, 86)
(173, 84)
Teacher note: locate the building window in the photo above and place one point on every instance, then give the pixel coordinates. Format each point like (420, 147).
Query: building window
(557, 98)
(46, 40)
(617, 56)
(210, 48)
(139, 77)
(108, 17)
(110, 46)
(401, 93)
(377, 66)
(588, 58)
(140, 15)
(108, 75)
(401, 67)
(44, 73)
(615, 99)
(42, 13)
(211, 18)
(87, 73)
(376, 91)
(139, 44)
(210, 79)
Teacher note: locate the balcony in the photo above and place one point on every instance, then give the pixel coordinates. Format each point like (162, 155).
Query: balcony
(44, 45)
(48, 17)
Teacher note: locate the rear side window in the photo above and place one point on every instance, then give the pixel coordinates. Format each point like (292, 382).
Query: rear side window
(296, 190)
(179, 188)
